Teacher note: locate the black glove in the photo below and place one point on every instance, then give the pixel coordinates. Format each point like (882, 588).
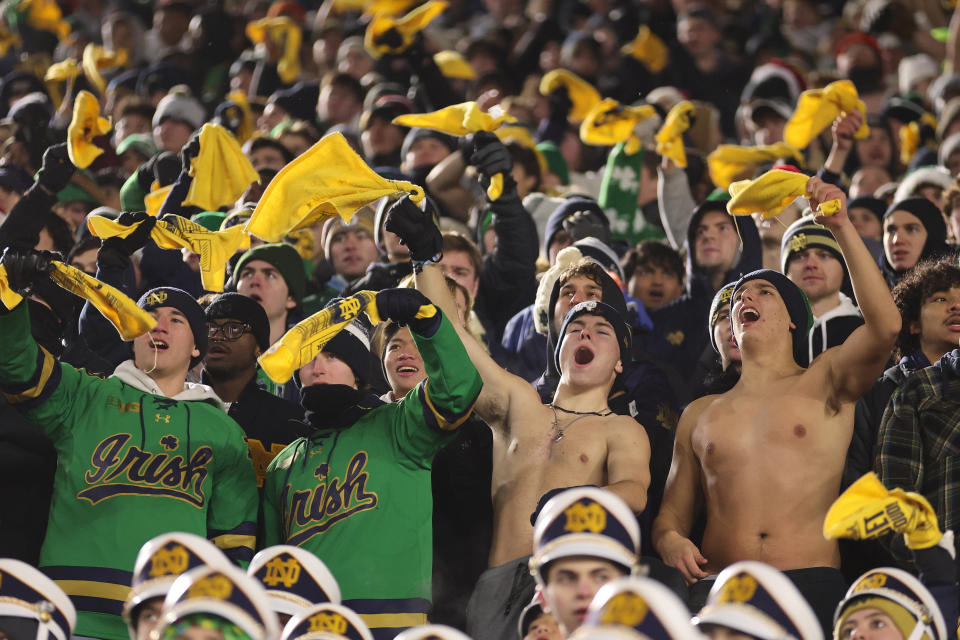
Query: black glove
(585, 224)
(57, 168)
(559, 104)
(115, 252)
(492, 158)
(166, 169)
(417, 229)
(26, 267)
(390, 38)
(145, 174)
(402, 305)
(190, 151)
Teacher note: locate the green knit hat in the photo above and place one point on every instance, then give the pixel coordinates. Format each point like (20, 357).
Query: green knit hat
(285, 259)
(555, 161)
(209, 220)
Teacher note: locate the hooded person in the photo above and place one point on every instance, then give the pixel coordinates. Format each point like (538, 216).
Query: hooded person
(145, 410)
(384, 451)
(577, 218)
(811, 258)
(719, 368)
(913, 230)
(720, 249)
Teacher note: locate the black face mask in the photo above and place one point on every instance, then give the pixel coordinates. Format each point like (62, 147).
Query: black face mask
(335, 406)
(866, 79)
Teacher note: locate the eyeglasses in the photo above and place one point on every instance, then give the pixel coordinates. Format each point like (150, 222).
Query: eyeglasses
(229, 330)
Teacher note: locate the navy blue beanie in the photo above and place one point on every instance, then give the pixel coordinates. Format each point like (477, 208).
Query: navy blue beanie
(597, 308)
(185, 304)
(798, 307)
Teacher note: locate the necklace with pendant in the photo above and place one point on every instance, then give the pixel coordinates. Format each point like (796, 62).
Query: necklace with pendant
(560, 431)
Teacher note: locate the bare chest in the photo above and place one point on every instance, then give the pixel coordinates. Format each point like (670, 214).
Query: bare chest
(569, 446)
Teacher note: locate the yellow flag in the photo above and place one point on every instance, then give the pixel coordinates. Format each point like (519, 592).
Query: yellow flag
(280, 29)
(818, 108)
(306, 339)
(154, 200)
(610, 123)
(670, 136)
(911, 136)
(221, 172)
(771, 193)
(62, 71)
(521, 135)
(408, 27)
(246, 124)
(648, 48)
(84, 127)
(175, 232)
(452, 64)
(96, 59)
(728, 161)
(329, 179)
(123, 313)
(459, 120)
(46, 16)
(582, 94)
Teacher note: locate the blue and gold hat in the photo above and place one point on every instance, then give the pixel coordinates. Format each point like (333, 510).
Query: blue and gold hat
(324, 621)
(162, 560)
(28, 595)
(585, 521)
(896, 587)
(294, 579)
(225, 592)
(432, 632)
(643, 605)
(755, 599)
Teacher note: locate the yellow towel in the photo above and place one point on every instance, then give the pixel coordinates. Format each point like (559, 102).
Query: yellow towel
(818, 108)
(609, 123)
(771, 193)
(582, 94)
(175, 232)
(327, 180)
(84, 127)
(911, 137)
(96, 59)
(408, 27)
(280, 30)
(154, 200)
(246, 124)
(670, 136)
(8, 39)
(728, 161)
(221, 172)
(62, 71)
(522, 135)
(452, 64)
(648, 48)
(122, 312)
(306, 339)
(459, 120)
(46, 16)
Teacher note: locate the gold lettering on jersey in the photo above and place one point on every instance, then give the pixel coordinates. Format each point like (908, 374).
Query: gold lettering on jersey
(169, 562)
(580, 518)
(739, 588)
(215, 586)
(328, 621)
(113, 402)
(118, 469)
(628, 609)
(279, 571)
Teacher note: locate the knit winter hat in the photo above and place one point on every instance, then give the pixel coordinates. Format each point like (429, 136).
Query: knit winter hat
(804, 234)
(180, 105)
(900, 616)
(236, 306)
(876, 206)
(185, 304)
(417, 134)
(798, 307)
(352, 345)
(597, 308)
(720, 300)
(285, 259)
(929, 215)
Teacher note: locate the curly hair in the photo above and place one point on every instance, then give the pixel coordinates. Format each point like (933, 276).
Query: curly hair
(921, 282)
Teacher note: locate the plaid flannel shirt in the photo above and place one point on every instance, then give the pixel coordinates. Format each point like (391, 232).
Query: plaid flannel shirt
(918, 446)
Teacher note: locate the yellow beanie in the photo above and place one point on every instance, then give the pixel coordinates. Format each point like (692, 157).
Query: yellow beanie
(903, 619)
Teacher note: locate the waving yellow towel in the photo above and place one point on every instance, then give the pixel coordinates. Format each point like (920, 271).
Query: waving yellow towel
(246, 122)
(452, 64)
(154, 200)
(670, 136)
(221, 172)
(911, 136)
(610, 123)
(771, 193)
(408, 27)
(175, 232)
(648, 48)
(459, 120)
(62, 71)
(96, 59)
(122, 312)
(818, 108)
(84, 127)
(582, 94)
(327, 180)
(45, 15)
(728, 161)
(306, 339)
(281, 29)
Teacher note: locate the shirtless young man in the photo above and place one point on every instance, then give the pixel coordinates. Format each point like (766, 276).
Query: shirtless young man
(576, 440)
(767, 456)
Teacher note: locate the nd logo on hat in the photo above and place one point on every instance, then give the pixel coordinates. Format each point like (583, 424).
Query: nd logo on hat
(280, 571)
(329, 621)
(156, 298)
(626, 608)
(173, 560)
(580, 517)
(738, 589)
(214, 586)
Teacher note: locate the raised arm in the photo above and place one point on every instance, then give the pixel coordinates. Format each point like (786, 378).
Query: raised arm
(857, 363)
(682, 500)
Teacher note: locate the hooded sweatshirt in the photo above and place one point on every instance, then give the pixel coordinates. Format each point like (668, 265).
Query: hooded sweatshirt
(832, 328)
